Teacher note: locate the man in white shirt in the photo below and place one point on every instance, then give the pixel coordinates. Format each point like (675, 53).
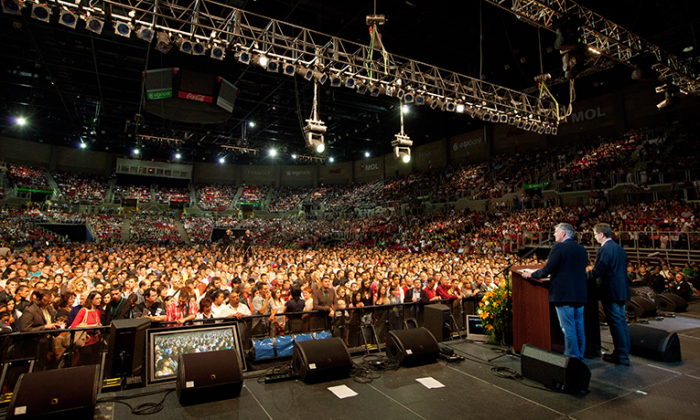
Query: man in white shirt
(236, 307)
(218, 309)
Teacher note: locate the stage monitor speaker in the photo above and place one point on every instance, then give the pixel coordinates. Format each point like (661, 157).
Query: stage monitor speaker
(554, 370)
(670, 302)
(412, 347)
(321, 360)
(127, 344)
(209, 376)
(654, 344)
(437, 321)
(63, 393)
(640, 307)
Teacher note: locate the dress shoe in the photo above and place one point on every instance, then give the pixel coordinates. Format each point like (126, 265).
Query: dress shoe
(614, 359)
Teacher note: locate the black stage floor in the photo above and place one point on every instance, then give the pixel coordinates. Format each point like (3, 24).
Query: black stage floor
(645, 390)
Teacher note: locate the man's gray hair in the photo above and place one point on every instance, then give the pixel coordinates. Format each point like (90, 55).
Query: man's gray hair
(567, 229)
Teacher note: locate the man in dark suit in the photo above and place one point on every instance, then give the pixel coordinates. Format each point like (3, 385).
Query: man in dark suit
(568, 292)
(38, 317)
(325, 301)
(610, 266)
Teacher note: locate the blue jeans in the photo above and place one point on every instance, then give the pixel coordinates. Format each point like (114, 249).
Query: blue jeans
(571, 322)
(615, 314)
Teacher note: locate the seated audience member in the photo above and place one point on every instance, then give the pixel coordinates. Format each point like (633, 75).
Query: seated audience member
(151, 308)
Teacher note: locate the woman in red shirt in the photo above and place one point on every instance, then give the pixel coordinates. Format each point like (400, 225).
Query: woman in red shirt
(89, 315)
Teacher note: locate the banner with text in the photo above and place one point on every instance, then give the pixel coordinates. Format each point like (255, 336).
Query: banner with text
(335, 173)
(431, 155)
(259, 175)
(466, 146)
(298, 175)
(369, 169)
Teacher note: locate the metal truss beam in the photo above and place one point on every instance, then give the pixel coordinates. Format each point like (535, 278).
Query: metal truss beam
(611, 40)
(217, 24)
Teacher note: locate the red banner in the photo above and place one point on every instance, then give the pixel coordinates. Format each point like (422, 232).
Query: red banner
(195, 97)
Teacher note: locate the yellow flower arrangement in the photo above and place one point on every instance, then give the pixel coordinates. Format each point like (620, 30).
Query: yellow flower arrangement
(495, 311)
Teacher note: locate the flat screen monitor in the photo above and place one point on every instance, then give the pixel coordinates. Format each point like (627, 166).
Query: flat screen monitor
(166, 344)
(475, 329)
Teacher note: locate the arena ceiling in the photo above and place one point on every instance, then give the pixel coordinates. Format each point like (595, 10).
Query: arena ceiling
(73, 85)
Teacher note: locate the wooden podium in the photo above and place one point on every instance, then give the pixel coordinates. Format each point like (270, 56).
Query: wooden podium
(531, 314)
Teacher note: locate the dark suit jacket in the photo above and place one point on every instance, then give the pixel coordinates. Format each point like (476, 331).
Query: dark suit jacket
(32, 319)
(566, 267)
(611, 267)
(325, 302)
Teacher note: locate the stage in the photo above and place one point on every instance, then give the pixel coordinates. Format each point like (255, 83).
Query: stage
(646, 389)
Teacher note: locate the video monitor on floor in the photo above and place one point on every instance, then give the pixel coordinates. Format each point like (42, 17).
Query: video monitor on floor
(475, 329)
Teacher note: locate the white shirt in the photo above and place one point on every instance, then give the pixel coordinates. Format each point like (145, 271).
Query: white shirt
(222, 311)
(241, 308)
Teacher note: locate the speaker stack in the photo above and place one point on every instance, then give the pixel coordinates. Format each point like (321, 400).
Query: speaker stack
(210, 376)
(654, 344)
(640, 307)
(437, 320)
(321, 360)
(670, 302)
(554, 370)
(64, 393)
(412, 347)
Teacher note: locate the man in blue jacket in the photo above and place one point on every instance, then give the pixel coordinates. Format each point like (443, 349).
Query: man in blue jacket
(611, 267)
(566, 267)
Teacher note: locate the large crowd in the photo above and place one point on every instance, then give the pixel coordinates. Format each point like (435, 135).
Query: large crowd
(81, 188)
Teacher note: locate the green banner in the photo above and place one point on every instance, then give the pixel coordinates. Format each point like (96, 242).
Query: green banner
(163, 94)
(35, 191)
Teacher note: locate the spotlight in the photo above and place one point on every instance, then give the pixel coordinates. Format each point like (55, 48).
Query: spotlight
(67, 18)
(366, 154)
(122, 29)
(486, 116)
(95, 25)
(41, 12)
(375, 90)
(273, 66)
(460, 108)
(527, 126)
(350, 82)
(331, 160)
(554, 131)
(573, 63)
(437, 103)
(405, 109)
(199, 48)
(307, 74)
(145, 33)
(540, 129)
(449, 107)
(83, 145)
(419, 100)
(503, 118)
(260, 60)
(408, 98)
(336, 81)
(313, 135)
(243, 57)
(294, 156)
(163, 42)
(12, 7)
(669, 102)
(400, 93)
(288, 69)
(184, 45)
(390, 91)
(361, 88)
(548, 130)
(222, 160)
(251, 124)
(217, 52)
(273, 152)
(178, 156)
(20, 121)
(320, 76)
(136, 151)
(402, 147)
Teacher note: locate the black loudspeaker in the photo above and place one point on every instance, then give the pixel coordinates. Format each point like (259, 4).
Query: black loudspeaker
(64, 393)
(127, 343)
(554, 370)
(412, 347)
(321, 360)
(437, 321)
(670, 302)
(640, 307)
(654, 344)
(210, 376)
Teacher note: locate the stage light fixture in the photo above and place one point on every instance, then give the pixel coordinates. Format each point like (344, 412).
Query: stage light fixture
(573, 63)
(184, 45)
(402, 147)
(313, 135)
(350, 82)
(436, 103)
(375, 90)
(460, 108)
(331, 159)
(163, 42)
(486, 117)
(527, 126)
(540, 129)
(243, 57)
(554, 131)
(320, 76)
(94, 25)
(41, 12)
(145, 33)
(502, 118)
(122, 29)
(12, 7)
(273, 152)
(419, 100)
(20, 121)
(68, 18)
(548, 130)
(450, 106)
(409, 98)
(199, 48)
(670, 100)
(520, 124)
(288, 69)
(336, 81)
(217, 52)
(273, 66)
(511, 120)
(400, 93)
(222, 159)
(307, 74)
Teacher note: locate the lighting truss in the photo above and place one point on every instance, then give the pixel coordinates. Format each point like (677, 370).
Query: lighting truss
(612, 41)
(240, 31)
